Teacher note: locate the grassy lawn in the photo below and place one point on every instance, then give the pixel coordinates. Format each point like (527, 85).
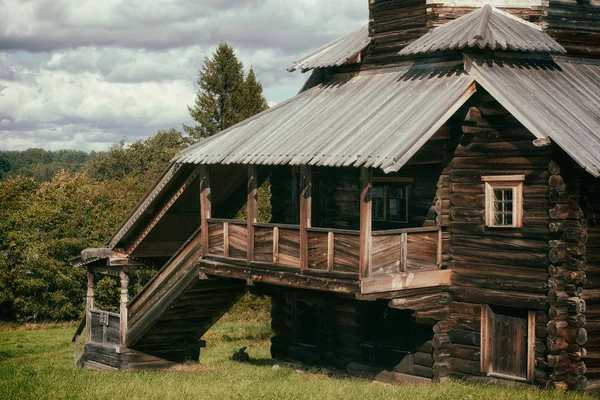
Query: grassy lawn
(37, 362)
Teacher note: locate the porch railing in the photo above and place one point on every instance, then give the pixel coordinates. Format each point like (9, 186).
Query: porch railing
(335, 251)
(406, 250)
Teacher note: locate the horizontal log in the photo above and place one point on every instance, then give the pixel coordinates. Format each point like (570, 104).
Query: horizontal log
(498, 297)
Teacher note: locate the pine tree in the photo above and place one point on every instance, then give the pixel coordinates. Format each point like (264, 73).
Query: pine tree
(253, 100)
(224, 98)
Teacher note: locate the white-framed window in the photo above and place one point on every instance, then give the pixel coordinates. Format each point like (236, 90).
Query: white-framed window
(504, 201)
(390, 200)
(507, 342)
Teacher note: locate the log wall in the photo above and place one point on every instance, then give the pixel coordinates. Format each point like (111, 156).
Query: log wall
(590, 203)
(504, 267)
(393, 24)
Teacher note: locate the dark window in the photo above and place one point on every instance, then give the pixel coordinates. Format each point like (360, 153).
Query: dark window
(387, 334)
(306, 324)
(390, 202)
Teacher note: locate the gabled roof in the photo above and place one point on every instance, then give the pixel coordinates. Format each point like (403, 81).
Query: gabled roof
(381, 119)
(373, 120)
(558, 99)
(485, 28)
(338, 52)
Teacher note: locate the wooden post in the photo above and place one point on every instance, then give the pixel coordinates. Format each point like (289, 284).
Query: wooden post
(330, 250)
(252, 209)
(305, 213)
(403, 264)
(365, 221)
(205, 206)
(225, 239)
(124, 301)
(275, 245)
(89, 306)
(439, 248)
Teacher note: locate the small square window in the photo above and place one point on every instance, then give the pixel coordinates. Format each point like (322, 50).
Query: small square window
(504, 201)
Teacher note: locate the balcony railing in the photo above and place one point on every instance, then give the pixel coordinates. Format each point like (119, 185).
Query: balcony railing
(331, 252)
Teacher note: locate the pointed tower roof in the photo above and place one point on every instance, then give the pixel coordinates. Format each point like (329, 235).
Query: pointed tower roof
(485, 28)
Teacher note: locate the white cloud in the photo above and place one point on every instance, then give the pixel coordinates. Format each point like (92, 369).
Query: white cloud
(83, 74)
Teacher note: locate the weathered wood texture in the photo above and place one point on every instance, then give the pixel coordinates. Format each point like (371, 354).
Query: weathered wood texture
(498, 266)
(341, 326)
(393, 24)
(589, 233)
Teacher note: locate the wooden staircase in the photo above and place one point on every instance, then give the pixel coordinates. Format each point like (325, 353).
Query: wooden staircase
(166, 320)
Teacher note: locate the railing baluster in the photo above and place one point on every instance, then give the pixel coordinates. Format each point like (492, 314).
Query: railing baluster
(330, 250)
(404, 240)
(439, 249)
(225, 239)
(275, 245)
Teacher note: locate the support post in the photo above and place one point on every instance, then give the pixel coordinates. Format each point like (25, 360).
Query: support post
(205, 206)
(365, 221)
(305, 213)
(89, 306)
(252, 209)
(124, 301)
(404, 264)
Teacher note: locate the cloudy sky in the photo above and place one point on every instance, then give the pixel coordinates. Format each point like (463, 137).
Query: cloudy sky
(82, 74)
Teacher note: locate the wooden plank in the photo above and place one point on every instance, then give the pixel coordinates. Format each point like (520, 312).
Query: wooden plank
(346, 256)
(89, 306)
(317, 250)
(289, 247)
(124, 300)
(263, 244)
(365, 222)
(407, 280)
(404, 263)
(252, 209)
(275, 245)
(238, 241)
(205, 206)
(305, 213)
(330, 250)
(226, 239)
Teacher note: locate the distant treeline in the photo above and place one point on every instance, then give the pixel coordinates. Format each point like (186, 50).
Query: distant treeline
(40, 164)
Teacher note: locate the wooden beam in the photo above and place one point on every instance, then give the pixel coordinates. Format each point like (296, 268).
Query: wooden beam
(252, 209)
(225, 239)
(365, 221)
(89, 306)
(330, 250)
(406, 280)
(404, 263)
(279, 278)
(162, 212)
(205, 206)
(124, 300)
(305, 213)
(275, 245)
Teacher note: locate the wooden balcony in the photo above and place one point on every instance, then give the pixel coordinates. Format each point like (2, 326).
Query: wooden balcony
(397, 259)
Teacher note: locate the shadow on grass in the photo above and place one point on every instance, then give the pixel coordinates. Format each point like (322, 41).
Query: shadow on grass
(261, 362)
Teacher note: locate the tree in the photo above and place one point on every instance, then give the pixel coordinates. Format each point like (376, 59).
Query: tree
(4, 166)
(224, 98)
(253, 100)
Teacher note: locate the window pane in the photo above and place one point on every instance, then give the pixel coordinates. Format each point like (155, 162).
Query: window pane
(502, 207)
(394, 209)
(377, 192)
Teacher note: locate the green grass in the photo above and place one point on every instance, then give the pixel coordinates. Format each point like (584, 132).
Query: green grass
(36, 362)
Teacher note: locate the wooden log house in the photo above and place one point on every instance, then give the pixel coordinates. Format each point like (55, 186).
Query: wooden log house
(435, 207)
